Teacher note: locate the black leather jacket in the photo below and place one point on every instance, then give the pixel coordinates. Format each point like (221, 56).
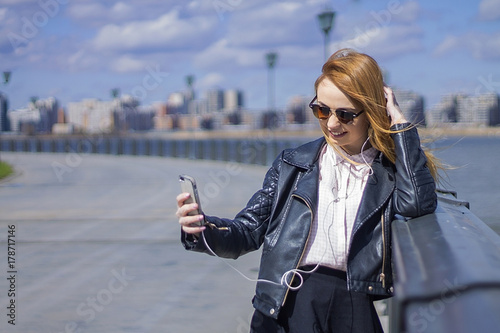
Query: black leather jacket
(280, 215)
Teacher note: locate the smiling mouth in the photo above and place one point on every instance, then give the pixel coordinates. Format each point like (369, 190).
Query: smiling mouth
(337, 133)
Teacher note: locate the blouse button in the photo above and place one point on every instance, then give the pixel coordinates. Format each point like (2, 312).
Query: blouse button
(370, 288)
(271, 311)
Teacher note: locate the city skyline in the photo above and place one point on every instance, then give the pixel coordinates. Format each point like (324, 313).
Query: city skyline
(84, 49)
(220, 108)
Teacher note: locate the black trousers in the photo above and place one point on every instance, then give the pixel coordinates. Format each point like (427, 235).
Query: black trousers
(322, 305)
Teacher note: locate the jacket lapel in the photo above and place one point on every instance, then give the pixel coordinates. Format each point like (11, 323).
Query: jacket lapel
(306, 158)
(378, 189)
(307, 187)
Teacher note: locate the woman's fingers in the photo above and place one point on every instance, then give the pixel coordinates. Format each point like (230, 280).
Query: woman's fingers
(393, 110)
(190, 224)
(193, 230)
(181, 198)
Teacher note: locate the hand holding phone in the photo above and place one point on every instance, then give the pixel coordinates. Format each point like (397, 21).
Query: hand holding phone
(188, 185)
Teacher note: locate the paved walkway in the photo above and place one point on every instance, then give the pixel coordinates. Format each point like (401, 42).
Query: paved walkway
(97, 246)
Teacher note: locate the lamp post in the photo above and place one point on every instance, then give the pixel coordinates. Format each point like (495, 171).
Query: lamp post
(6, 77)
(3, 113)
(118, 118)
(271, 58)
(115, 92)
(190, 82)
(325, 23)
(191, 108)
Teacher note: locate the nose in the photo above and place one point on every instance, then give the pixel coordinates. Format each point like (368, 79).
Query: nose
(333, 122)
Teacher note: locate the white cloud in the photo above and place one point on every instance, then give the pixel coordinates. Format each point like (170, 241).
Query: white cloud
(481, 46)
(296, 38)
(202, 6)
(14, 2)
(222, 54)
(448, 44)
(3, 14)
(489, 10)
(5, 45)
(274, 23)
(122, 10)
(12, 35)
(126, 64)
(385, 42)
(87, 10)
(166, 32)
(96, 14)
(395, 12)
(408, 12)
(211, 80)
(81, 60)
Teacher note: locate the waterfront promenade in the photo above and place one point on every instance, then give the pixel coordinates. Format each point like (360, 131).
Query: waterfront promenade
(97, 246)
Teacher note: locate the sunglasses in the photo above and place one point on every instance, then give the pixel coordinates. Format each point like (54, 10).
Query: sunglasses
(324, 112)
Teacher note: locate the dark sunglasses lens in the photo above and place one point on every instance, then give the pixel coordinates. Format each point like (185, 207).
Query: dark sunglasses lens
(344, 116)
(324, 112)
(320, 112)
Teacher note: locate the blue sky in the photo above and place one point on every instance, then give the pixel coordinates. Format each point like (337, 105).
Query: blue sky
(76, 49)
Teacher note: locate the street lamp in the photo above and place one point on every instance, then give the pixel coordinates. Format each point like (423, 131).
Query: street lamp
(325, 23)
(115, 92)
(190, 81)
(271, 58)
(191, 107)
(3, 113)
(6, 77)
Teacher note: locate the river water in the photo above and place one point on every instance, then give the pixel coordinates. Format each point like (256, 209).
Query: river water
(474, 173)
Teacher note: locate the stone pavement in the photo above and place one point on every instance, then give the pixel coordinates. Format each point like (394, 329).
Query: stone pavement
(94, 246)
(97, 246)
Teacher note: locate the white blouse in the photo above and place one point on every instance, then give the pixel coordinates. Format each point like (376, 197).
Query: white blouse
(341, 186)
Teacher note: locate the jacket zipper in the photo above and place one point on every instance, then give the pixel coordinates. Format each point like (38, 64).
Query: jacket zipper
(382, 275)
(213, 226)
(304, 250)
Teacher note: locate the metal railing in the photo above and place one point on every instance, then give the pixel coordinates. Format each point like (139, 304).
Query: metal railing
(446, 272)
(258, 150)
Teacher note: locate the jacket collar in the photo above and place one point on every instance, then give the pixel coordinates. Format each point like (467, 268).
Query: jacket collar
(378, 188)
(306, 158)
(306, 155)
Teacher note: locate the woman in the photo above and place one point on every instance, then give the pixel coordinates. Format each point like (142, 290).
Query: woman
(324, 211)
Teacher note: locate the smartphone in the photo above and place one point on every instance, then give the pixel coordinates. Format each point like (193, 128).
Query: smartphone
(188, 185)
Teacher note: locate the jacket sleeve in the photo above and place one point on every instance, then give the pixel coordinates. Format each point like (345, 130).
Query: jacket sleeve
(415, 193)
(233, 238)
